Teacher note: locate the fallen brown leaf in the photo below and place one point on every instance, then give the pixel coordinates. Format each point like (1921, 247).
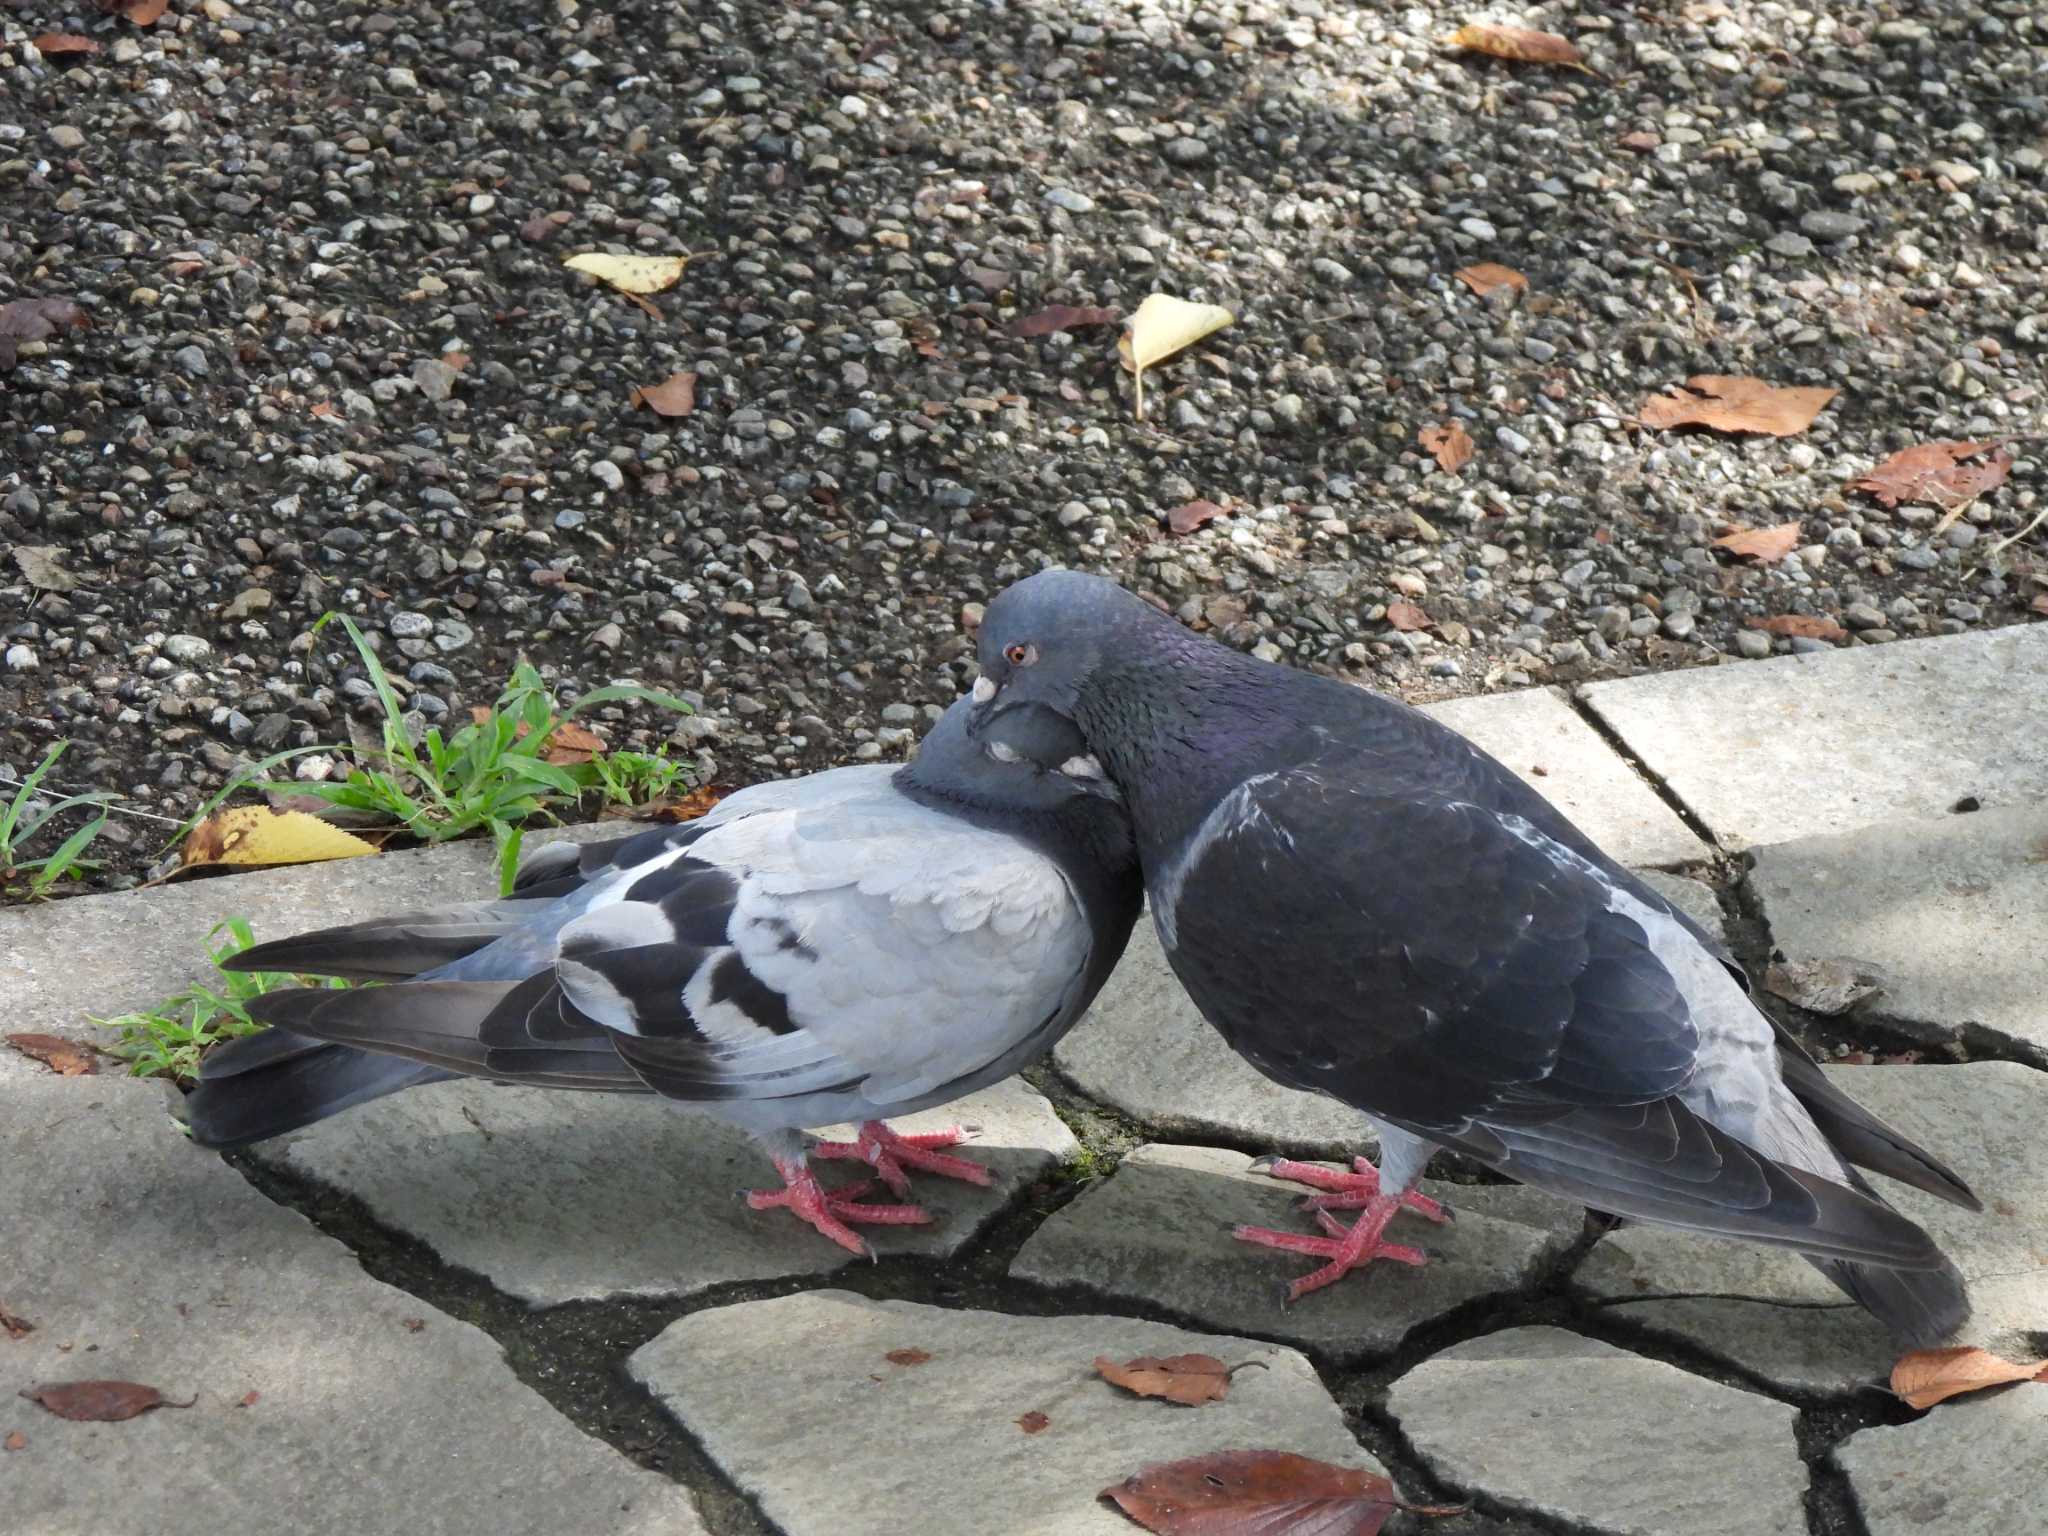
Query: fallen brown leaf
(99, 1402)
(2039, 603)
(15, 1441)
(1189, 1380)
(1450, 443)
(1521, 44)
(687, 808)
(1033, 1422)
(675, 395)
(1061, 317)
(66, 1058)
(1944, 474)
(1765, 544)
(1924, 1377)
(1191, 515)
(569, 744)
(248, 1399)
(1734, 403)
(1406, 616)
(144, 13)
(325, 409)
(907, 1356)
(15, 1327)
(1259, 1493)
(36, 320)
(1488, 277)
(1822, 986)
(1809, 626)
(57, 45)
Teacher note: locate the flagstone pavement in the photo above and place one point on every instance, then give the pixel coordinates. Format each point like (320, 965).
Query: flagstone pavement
(472, 1308)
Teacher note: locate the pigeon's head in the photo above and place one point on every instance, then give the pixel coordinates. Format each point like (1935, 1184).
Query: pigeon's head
(1043, 640)
(1032, 757)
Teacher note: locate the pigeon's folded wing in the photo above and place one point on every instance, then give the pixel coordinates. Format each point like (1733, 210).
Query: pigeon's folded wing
(1458, 973)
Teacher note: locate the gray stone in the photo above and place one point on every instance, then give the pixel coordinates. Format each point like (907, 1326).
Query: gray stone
(1946, 914)
(1581, 1432)
(1800, 745)
(1538, 735)
(1910, 1478)
(139, 1258)
(556, 1197)
(47, 989)
(1158, 1231)
(1772, 1314)
(954, 1442)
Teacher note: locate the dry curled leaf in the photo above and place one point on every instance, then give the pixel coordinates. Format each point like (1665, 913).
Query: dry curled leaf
(1521, 44)
(1189, 1380)
(1259, 1493)
(569, 744)
(1765, 544)
(99, 1402)
(1924, 1377)
(248, 1399)
(1736, 403)
(42, 565)
(911, 1356)
(13, 1326)
(1060, 317)
(1450, 443)
(1033, 1422)
(1160, 327)
(256, 835)
(675, 395)
(1189, 516)
(683, 808)
(1808, 626)
(1944, 474)
(630, 274)
(1823, 986)
(1487, 277)
(15, 1441)
(2040, 603)
(66, 1058)
(36, 320)
(144, 13)
(1406, 616)
(58, 45)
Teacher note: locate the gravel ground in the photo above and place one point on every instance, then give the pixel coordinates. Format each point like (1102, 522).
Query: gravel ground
(285, 218)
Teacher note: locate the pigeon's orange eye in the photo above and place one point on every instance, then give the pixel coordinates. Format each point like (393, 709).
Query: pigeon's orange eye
(1020, 655)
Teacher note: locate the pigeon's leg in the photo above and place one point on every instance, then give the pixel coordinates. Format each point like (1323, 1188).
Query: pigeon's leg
(1345, 1191)
(830, 1210)
(889, 1151)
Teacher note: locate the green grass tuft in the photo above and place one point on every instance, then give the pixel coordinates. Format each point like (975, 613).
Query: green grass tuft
(23, 816)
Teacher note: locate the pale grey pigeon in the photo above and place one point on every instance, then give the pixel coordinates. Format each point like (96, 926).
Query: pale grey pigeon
(852, 945)
(1367, 906)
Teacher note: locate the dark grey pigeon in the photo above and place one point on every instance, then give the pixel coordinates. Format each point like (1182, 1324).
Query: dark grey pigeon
(1367, 906)
(852, 945)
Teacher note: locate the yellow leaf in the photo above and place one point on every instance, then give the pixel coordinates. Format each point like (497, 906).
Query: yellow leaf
(631, 274)
(251, 836)
(1162, 326)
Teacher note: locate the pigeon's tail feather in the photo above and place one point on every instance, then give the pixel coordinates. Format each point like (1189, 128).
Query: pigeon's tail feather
(1922, 1307)
(388, 948)
(253, 1089)
(1863, 1139)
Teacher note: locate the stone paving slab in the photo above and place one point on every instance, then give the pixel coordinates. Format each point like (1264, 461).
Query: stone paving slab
(1158, 1231)
(1797, 746)
(1145, 1050)
(1951, 915)
(797, 1400)
(138, 1258)
(1772, 1314)
(1575, 1430)
(144, 945)
(1973, 1466)
(1538, 734)
(555, 1196)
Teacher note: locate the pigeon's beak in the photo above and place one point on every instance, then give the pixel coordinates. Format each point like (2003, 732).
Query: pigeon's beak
(984, 695)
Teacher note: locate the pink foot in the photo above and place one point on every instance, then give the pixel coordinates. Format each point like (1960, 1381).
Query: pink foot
(1345, 1248)
(887, 1151)
(830, 1210)
(1345, 1191)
